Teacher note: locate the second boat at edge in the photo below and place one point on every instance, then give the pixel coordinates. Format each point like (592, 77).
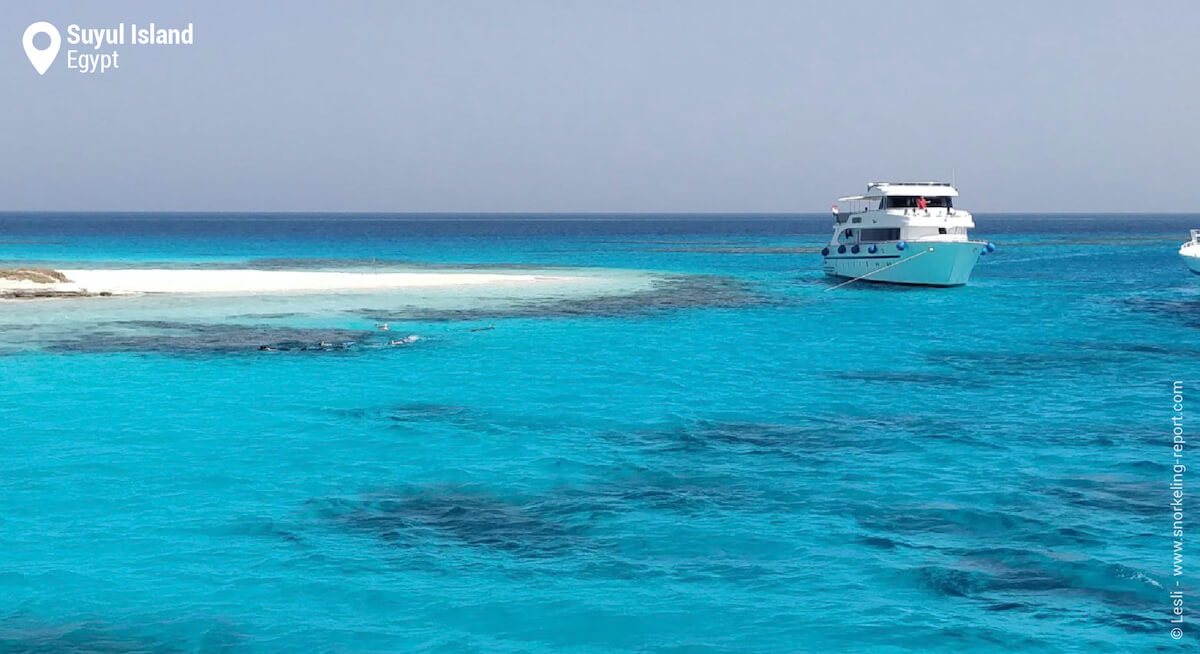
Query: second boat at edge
(1190, 252)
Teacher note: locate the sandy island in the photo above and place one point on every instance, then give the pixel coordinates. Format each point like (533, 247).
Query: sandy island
(17, 283)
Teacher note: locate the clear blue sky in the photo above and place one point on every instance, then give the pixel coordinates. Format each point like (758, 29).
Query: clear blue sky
(608, 106)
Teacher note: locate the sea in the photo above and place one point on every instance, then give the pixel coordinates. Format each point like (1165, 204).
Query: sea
(709, 450)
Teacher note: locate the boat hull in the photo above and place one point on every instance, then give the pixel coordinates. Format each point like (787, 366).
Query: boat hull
(921, 263)
(1192, 262)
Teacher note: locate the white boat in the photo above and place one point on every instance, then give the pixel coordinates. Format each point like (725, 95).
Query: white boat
(1190, 252)
(903, 233)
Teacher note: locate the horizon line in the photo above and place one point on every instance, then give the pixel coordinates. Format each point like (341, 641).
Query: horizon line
(457, 213)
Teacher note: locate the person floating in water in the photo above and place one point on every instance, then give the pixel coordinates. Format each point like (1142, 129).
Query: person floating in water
(382, 326)
(407, 340)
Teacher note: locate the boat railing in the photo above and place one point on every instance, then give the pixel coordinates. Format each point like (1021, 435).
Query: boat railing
(928, 211)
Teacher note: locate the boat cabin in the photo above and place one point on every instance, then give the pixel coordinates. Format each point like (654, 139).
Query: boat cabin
(895, 211)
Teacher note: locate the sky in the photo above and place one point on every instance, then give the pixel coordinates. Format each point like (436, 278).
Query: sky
(606, 106)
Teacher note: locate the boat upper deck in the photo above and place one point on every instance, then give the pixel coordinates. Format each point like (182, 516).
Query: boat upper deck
(878, 190)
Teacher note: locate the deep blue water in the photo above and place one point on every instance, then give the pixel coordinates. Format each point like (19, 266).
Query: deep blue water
(736, 460)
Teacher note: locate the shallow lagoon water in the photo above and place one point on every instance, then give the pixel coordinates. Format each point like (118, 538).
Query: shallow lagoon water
(712, 453)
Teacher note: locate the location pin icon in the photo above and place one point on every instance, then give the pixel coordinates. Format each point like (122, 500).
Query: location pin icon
(41, 59)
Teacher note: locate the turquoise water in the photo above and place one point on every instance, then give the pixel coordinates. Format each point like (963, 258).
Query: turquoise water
(731, 460)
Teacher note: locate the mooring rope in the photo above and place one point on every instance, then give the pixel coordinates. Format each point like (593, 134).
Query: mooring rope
(877, 270)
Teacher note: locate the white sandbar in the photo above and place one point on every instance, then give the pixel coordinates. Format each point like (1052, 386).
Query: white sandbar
(165, 280)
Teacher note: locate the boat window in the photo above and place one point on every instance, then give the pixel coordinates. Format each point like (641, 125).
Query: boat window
(876, 234)
(941, 230)
(910, 201)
